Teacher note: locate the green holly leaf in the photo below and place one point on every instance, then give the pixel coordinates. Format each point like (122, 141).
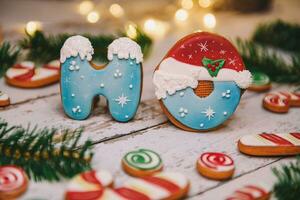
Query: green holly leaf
(213, 66)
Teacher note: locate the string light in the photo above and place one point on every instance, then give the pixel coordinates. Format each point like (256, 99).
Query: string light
(209, 21)
(131, 31)
(116, 10)
(187, 4)
(205, 3)
(93, 17)
(33, 26)
(181, 15)
(155, 28)
(85, 7)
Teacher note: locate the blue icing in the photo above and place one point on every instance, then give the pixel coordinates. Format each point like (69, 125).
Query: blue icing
(120, 82)
(204, 113)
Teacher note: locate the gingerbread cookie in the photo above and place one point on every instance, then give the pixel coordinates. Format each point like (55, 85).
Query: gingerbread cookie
(270, 144)
(89, 185)
(120, 81)
(250, 192)
(215, 165)
(13, 182)
(142, 162)
(4, 99)
(260, 82)
(280, 102)
(161, 186)
(200, 81)
(27, 75)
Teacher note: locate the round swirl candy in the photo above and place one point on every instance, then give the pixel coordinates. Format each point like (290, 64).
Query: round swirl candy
(13, 182)
(142, 162)
(215, 165)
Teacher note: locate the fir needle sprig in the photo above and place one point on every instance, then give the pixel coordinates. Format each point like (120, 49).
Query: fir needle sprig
(278, 34)
(287, 186)
(41, 154)
(8, 57)
(260, 58)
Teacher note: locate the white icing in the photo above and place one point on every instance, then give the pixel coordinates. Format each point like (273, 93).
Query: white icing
(104, 177)
(125, 48)
(79, 185)
(173, 75)
(174, 177)
(256, 140)
(54, 63)
(110, 194)
(76, 45)
(27, 64)
(149, 189)
(43, 73)
(14, 72)
(3, 96)
(271, 96)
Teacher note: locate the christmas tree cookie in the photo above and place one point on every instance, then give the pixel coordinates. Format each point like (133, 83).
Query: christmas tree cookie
(200, 81)
(120, 81)
(27, 75)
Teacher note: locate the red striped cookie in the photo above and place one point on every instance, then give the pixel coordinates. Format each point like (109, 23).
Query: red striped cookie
(26, 75)
(215, 165)
(89, 185)
(276, 102)
(250, 192)
(4, 99)
(161, 186)
(269, 144)
(13, 182)
(294, 98)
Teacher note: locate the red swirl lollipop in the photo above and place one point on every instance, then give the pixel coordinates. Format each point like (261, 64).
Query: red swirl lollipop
(215, 165)
(13, 182)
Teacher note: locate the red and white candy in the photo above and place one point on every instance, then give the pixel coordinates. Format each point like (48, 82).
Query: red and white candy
(216, 161)
(89, 185)
(250, 192)
(13, 182)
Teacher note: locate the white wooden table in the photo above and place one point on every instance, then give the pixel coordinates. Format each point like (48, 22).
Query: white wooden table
(150, 128)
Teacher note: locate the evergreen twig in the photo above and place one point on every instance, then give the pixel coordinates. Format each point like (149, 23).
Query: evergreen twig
(42, 48)
(8, 57)
(288, 181)
(39, 153)
(279, 34)
(260, 58)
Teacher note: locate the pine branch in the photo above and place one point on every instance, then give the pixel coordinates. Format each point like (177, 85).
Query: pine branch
(44, 48)
(41, 154)
(288, 181)
(8, 57)
(279, 34)
(260, 58)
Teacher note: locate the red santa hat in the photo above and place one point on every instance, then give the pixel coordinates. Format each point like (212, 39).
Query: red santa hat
(200, 56)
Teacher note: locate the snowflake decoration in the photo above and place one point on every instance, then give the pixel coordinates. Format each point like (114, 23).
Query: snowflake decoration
(190, 56)
(210, 113)
(122, 100)
(203, 47)
(182, 47)
(76, 109)
(222, 52)
(232, 61)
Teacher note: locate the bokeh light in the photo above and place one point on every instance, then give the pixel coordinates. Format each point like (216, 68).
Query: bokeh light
(93, 17)
(181, 15)
(116, 10)
(33, 26)
(209, 21)
(187, 4)
(85, 7)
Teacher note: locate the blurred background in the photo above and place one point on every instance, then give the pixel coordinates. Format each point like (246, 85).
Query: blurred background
(164, 21)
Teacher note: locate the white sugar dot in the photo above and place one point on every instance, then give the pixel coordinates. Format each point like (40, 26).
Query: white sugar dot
(73, 62)
(77, 67)
(182, 115)
(181, 109)
(227, 95)
(71, 68)
(131, 63)
(117, 71)
(102, 85)
(181, 94)
(228, 91)
(73, 95)
(81, 77)
(120, 74)
(225, 113)
(130, 86)
(223, 94)
(74, 110)
(115, 75)
(201, 125)
(126, 116)
(185, 111)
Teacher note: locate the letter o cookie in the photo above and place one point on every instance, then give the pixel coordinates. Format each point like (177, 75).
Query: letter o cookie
(120, 81)
(142, 162)
(200, 81)
(215, 165)
(13, 182)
